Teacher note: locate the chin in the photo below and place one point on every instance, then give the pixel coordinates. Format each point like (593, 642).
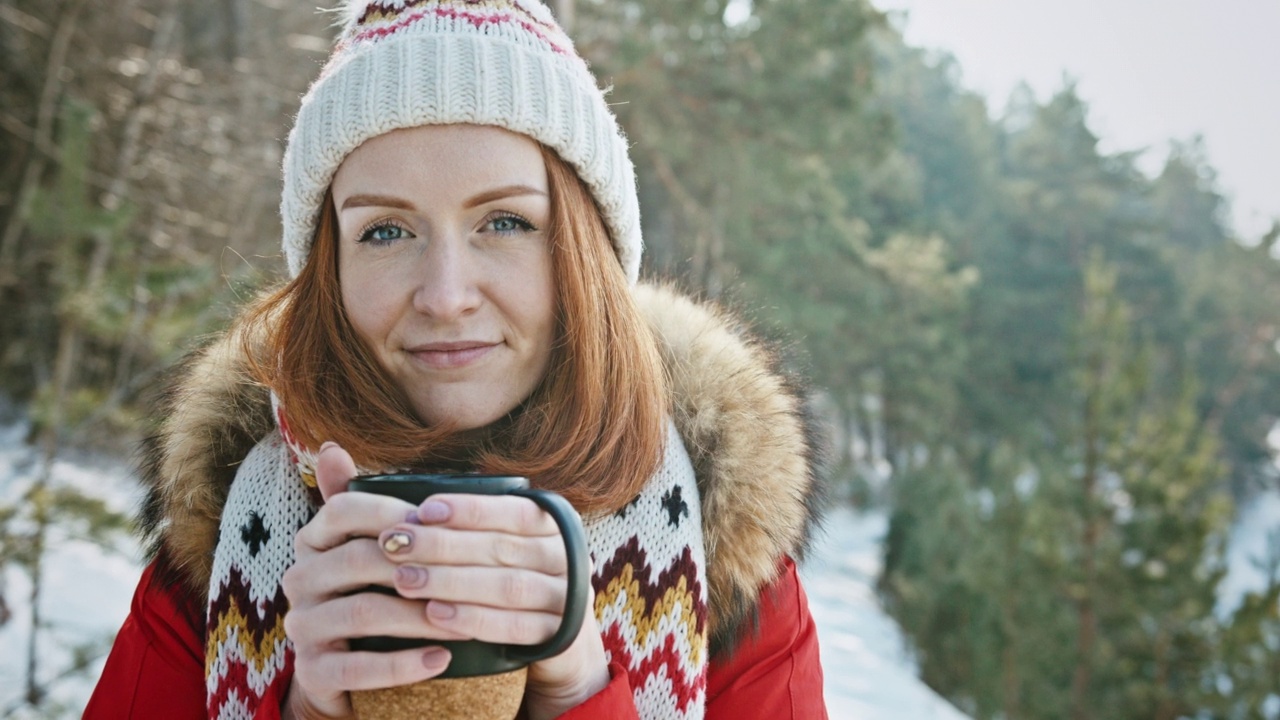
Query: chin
(462, 418)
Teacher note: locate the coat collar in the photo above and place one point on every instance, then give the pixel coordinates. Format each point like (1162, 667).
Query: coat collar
(744, 424)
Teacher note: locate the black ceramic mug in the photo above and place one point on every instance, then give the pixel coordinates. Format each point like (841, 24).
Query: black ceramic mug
(474, 657)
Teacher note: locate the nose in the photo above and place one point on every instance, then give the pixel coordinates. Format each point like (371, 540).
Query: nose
(447, 287)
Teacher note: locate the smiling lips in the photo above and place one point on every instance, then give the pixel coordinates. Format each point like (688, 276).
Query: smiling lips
(449, 355)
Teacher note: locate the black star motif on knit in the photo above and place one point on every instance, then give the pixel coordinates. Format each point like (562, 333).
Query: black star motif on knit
(255, 534)
(622, 511)
(675, 506)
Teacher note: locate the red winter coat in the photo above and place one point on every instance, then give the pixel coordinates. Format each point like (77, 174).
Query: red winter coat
(156, 667)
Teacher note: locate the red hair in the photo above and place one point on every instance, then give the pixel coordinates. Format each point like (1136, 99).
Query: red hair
(593, 430)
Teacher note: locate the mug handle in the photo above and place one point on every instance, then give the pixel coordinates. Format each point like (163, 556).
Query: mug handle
(575, 602)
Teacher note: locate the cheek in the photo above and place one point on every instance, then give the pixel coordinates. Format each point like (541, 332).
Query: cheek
(367, 304)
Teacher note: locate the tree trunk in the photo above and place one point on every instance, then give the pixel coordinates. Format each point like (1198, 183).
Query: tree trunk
(64, 362)
(1087, 632)
(46, 111)
(1165, 708)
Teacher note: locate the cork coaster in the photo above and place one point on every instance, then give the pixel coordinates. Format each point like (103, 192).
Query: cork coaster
(485, 697)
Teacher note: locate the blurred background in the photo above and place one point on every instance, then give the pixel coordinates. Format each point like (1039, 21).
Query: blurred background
(1026, 253)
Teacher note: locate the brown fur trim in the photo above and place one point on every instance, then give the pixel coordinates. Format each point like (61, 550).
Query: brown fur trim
(747, 434)
(744, 424)
(213, 414)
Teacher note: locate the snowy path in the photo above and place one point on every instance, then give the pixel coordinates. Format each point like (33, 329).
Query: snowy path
(868, 669)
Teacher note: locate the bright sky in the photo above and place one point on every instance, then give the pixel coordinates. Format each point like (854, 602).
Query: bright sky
(1150, 70)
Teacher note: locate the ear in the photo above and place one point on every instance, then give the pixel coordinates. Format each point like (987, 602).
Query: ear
(334, 469)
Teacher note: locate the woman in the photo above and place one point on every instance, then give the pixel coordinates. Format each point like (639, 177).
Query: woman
(461, 222)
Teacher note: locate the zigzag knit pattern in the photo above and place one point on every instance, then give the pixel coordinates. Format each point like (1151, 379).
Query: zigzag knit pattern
(650, 584)
(246, 650)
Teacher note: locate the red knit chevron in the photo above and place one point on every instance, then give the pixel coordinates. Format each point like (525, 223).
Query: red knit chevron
(259, 619)
(641, 668)
(663, 657)
(257, 622)
(236, 681)
(632, 554)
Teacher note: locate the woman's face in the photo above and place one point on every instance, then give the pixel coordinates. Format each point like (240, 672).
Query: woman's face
(445, 266)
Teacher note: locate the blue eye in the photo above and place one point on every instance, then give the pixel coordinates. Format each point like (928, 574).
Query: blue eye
(507, 224)
(384, 233)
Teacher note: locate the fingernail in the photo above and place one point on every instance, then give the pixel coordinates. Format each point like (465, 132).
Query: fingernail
(436, 658)
(411, 517)
(326, 445)
(411, 576)
(441, 610)
(394, 541)
(433, 511)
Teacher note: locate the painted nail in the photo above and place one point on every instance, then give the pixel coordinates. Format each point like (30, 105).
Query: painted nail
(411, 517)
(411, 576)
(441, 610)
(436, 658)
(433, 511)
(396, 541)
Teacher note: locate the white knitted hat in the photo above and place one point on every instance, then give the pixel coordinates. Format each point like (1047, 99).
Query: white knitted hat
(505, 63)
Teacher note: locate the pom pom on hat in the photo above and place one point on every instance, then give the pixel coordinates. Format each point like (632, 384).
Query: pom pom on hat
(506, 63)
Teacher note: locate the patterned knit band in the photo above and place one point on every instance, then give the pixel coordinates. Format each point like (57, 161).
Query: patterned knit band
(504, 63)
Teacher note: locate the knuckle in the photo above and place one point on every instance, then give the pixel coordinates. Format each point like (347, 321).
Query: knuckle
(361, 609)
(290, 585)
(348, 674)
(510, 550)
(338, 505)
(351, 559)
(306, 671)
(531, 518)
(400, 672)
(441, 545)
(468, 509)
(516, 590)
(295, 627)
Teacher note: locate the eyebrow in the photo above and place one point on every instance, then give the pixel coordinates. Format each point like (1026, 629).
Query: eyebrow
(356, 201)
(505, 191)
(387, 201)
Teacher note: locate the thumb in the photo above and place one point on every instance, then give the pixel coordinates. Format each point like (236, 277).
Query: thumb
(334, 469)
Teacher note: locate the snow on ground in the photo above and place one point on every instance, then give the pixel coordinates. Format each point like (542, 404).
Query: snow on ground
(870, 674)
(86, 591)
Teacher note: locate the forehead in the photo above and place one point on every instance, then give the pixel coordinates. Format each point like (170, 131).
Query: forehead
(441, 157)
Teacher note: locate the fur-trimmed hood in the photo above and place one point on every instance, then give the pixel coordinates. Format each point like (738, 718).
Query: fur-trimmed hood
(743, 424)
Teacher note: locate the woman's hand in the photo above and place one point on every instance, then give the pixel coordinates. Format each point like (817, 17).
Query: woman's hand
(337, 555)
(493, 568)
(465, 567)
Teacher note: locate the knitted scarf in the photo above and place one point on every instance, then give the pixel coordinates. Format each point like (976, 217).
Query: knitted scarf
(649, 580)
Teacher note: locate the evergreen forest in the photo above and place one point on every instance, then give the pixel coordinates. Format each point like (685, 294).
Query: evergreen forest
(1060, 374)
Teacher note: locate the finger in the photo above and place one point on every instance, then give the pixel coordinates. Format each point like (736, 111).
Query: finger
(349, 515)
(334, 469)
(505, 513)
(517, 627)
(498, 588)
(366, 614)
(373, 670)
(351, 566)
(429, 546)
